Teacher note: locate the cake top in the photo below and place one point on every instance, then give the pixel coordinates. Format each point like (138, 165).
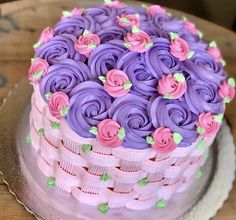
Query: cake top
(135, 77)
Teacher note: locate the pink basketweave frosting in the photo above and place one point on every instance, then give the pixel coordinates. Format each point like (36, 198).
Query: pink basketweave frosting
(126, 103)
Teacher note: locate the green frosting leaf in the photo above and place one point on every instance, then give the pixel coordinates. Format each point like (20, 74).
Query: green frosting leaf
(218, 118)
(200, 130)
(103, 208)
(200, 34)
(177, 138)
(231, 82)
(168, 96)
(37, 45)
(184, 18)
(55, 125)
(38, 74)
(86, 32)
(190, 54)
(40, 132)
(48, 95)
(149, 44)
(227, 100)
(212, 44)
(143, 182)
(66, 14)
(161, 204)
(173, 35)
(121, 134)
(32, 60)
(51, 181)
(86, 148)
(64, 111)
(125, 20)
(135, 29)
(92, 46)
(201, 144)
(94, 130)
(102, 78)
(198, 174)
(223, 62)
(150, 140)
(28, 139)
(127, 85)
(105, 177)
(144, 6)
(179, 77)
(127, 45)
(108, 1)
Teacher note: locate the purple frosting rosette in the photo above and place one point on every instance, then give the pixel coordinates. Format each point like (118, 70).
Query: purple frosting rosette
(159, 60)
(64, 77)
(59, 48)
(176, 115)
(89, 105)
(144, 83)
(130, 111)
(203, 97)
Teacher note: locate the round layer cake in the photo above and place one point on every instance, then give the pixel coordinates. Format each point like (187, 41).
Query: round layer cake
(126, 103)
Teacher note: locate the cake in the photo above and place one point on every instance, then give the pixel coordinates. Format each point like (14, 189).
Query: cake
(126, 103)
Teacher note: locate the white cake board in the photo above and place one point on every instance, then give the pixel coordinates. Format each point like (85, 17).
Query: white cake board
(29, 186)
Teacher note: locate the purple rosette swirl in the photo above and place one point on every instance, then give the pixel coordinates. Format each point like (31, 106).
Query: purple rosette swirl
(110, 33)
(64, 77)
(89, 104)
(130, 111)
(159, 59)
(206, 95)
(176, 115)
(144, 83)
(58, 49)
(105, 16)
(203, 66)
(105, 57)
(76, 25)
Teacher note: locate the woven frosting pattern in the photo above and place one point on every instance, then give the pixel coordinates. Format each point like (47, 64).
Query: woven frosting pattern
(118, 177)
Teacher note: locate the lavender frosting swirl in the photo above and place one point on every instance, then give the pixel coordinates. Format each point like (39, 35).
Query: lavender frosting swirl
(89, 104)
(76, 25)
(64, 77)
(144, 83)
(111, 32)
(105, 56)
(206, 95)
(130, 111)
(59, 48)
(203, 66)
(176, 115)
(159, 59)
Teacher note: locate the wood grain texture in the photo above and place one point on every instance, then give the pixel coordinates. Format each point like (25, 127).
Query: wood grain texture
(20, 27)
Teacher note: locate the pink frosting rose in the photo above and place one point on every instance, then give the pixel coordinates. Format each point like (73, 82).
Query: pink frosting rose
(37, 70)
(226, 91)
(191, 27)
(155, 9)
(58, 105)
(179, 48)
(115, 4)
(215, 53)
(128, 20)
(108, 133)
(86, 43)
(46, 35)
(117, 83)
(207, 123)
(164, 142)
(138, 41)
(172, 86)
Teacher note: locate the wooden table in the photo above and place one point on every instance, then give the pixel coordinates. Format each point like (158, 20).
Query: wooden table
(19, 29)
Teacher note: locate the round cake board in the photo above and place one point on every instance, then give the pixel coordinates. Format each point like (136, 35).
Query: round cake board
(27, 183)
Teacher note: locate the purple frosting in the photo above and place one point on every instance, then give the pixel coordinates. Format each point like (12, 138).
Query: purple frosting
(105, 56)
(130, 111)
(144, 83)
(159, 59)
(89, 104)
(59, 48)
(176, 115)
(110, 33)
(64, 77)
(76, 25)
(203, 67)
(203, 97)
